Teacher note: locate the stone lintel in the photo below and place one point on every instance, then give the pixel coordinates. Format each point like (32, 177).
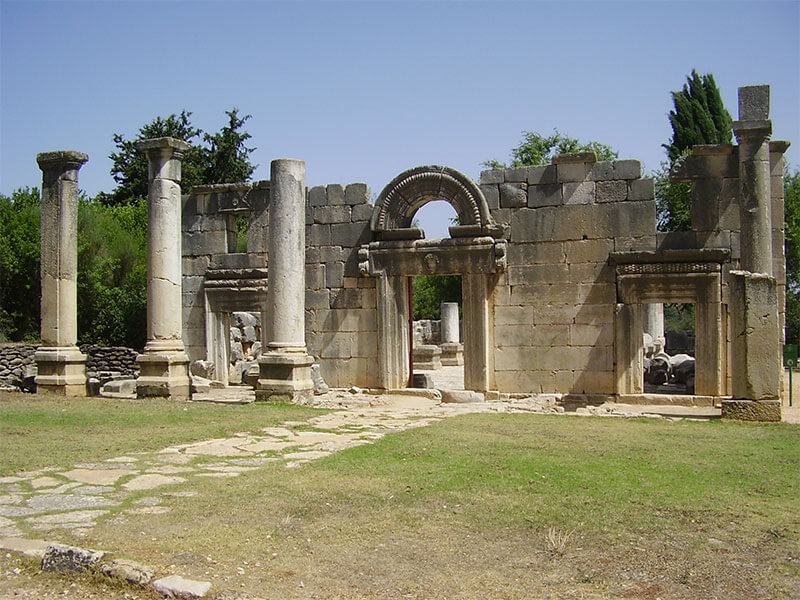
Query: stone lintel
(712, 149)
(748, 129)
(702, 255)
(401, 233)
(435, 259)
(61, 160)
(575, 157)
(750, 410)
(163, 143)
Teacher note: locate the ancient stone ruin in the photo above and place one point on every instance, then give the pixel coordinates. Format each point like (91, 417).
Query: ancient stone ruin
(563, 273)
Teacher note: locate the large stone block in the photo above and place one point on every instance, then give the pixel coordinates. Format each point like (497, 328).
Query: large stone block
(361, 213)
(356, 193)
(336, 194)
(512, 195)
(332, 214)
(512, 315)
(350, 234)
(542, 174)
(492, 195)
(334, 274)
(642, 189)
(591, 272)
(591, 335)
(582, 192)
(537, 253)
(640, 243)
(627, 169)
(338, 344)
(612, 191)
(515, 175)
(533, 274)
(318, 235)
(582, 251)
(346, 298)
(318, 299)
(317, 196)
(756, 359)
(748, 410)
(570, 172)
(315, 276)
(492, 176)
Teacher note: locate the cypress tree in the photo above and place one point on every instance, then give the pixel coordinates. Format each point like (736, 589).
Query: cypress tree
(699, 116)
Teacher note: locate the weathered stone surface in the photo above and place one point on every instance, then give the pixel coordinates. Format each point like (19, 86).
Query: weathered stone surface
(104, 476)
(749, 410)
(460, 396)
(151, 481)
(29, 548)
(127, 570)
(175, 586)
(59, 557)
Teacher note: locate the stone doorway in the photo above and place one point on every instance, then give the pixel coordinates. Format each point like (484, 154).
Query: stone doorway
(399, 251)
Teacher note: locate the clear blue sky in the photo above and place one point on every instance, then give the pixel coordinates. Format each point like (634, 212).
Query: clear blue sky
(365, 90)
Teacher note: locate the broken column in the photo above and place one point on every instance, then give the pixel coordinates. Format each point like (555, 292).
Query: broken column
(756, 356)
(284, 365)
(164, 365)
(452, 350)
(61, 365)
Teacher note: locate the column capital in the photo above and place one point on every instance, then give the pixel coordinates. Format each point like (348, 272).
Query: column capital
(163, 143)
(61, 160)
(747, 130)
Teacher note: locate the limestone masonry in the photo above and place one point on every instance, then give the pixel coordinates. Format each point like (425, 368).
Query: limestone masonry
(563, 276)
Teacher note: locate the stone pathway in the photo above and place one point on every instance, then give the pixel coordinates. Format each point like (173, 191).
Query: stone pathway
(76, 499)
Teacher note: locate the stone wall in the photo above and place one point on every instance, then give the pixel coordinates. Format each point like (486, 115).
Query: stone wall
(341, 305)
(554, 306)
(14, 358)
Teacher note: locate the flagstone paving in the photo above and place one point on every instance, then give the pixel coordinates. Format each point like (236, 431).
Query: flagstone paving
(78, 498)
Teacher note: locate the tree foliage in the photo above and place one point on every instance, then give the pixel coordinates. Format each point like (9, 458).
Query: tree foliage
(792, 247)
(431, 290)
(536, 149)
(699, 116)
(225, 158)
(20, 286)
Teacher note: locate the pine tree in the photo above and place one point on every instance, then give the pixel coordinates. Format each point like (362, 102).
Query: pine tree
(228, 157)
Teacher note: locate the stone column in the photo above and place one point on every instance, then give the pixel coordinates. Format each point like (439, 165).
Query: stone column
(284, 365)
(654, 324)
(452, 351)
(753, 130)
(164, 366)
(61, 366)
(756, 350)
(449, 322)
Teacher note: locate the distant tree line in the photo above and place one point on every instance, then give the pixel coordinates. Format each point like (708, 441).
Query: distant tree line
(112, 234)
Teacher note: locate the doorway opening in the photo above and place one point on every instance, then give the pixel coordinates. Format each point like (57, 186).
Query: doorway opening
(437, 351)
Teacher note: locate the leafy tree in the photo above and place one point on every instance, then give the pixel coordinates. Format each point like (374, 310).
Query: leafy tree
(792, 246)
(224, 159)
(699, 117)
(20, 286)
(431, 290)
(227, 156)
(536, 149)
(129, 168)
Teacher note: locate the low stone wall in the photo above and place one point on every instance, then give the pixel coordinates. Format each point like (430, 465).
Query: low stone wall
(14, 358)
(110, 358)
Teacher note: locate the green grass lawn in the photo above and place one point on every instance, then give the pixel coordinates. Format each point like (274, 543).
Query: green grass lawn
(40, 430)
(504, 506)
(477, 506)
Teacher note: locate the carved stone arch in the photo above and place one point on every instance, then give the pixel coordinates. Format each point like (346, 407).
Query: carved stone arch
(412, 189)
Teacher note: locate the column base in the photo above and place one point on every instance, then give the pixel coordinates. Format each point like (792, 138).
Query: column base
(452, 354)
(163, 373)
(751, 410)
(61, 370)
(285, 377)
